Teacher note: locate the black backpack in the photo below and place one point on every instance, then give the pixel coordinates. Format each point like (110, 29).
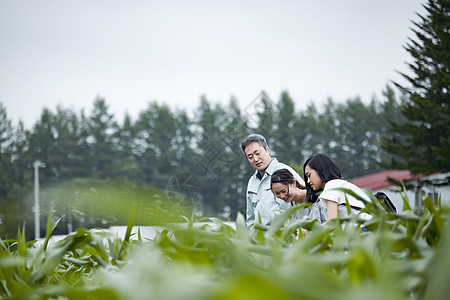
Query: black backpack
(387, 203)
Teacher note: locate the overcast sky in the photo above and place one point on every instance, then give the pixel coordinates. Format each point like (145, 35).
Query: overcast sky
(133, 52)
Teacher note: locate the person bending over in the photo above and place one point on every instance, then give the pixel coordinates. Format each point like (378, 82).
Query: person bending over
(286, 187)
(325, 182)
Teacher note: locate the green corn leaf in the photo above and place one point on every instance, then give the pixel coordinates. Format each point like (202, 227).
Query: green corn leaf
(130, 223)
(50, 228)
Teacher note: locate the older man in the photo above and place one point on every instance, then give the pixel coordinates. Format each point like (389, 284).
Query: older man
(261, 202)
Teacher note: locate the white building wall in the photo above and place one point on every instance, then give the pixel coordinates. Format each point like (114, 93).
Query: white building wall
(415, 197)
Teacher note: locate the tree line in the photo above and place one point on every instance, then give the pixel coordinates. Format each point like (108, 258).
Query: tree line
(197, 155)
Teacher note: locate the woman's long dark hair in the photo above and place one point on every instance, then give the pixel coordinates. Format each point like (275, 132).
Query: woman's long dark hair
(284, 176)
(327, 170)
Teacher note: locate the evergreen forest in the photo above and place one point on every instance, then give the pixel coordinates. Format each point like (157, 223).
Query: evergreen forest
(194, 162)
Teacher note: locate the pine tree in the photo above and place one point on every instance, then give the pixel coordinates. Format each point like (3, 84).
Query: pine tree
(422, 143)
(354, 145)
(388, 112)
(102, 127)
(235, 166)
(124, 142)
(264, 110)
(6, 167)
(284, 146)
(149, 149)
(64, 158)
(23, 177)
(42, 144)
(211, 158)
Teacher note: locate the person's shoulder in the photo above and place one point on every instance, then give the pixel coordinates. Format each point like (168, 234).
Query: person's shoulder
(347, 184)
(335, 183)
(342, 184)
(251, 178)
(274, 165)
(279, 165)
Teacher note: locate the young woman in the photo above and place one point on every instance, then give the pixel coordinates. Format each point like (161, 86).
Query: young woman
(324, 181)
(285, 187)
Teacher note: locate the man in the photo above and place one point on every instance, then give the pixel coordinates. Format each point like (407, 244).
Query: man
(261, 202)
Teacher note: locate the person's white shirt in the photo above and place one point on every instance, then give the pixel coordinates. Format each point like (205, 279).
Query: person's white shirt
(333, 192)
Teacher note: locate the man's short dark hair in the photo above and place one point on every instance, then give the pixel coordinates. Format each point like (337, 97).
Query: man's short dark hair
(253, 138)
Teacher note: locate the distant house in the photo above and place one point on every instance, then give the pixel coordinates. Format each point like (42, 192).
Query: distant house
(417, 186)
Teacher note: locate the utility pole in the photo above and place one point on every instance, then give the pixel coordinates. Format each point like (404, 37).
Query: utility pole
(36, 165)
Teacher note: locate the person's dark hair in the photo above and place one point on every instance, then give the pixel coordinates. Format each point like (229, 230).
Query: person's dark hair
(281, 176)
(327, 170)
(285, 177)
(253, 138)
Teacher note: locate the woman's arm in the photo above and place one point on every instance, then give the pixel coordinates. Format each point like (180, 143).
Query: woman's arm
(331, 210)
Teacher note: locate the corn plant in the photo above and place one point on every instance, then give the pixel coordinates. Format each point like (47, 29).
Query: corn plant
(402, 256)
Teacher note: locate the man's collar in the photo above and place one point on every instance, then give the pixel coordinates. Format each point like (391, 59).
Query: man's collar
(259, 174)
(270, 168)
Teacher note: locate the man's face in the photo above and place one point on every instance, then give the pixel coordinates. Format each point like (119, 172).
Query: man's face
(258, 156)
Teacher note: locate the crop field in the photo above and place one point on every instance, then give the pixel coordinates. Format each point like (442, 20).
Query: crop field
(402, 256)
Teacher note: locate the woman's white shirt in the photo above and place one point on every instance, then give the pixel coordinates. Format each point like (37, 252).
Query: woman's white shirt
(332, 192)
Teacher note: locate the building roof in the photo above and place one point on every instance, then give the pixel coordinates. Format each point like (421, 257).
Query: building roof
(377, 181)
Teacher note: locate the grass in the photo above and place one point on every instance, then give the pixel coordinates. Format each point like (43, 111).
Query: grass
(404, 256)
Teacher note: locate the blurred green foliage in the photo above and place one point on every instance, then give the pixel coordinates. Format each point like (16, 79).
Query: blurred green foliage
(93, 202)
(403, 256)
